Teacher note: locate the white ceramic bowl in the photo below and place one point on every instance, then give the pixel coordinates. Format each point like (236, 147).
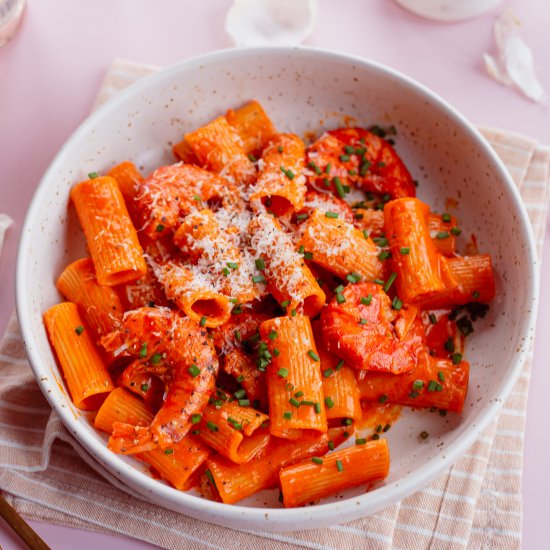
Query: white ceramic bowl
(302, 90)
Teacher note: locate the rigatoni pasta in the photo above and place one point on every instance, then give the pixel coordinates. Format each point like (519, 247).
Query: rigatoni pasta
(261, 301)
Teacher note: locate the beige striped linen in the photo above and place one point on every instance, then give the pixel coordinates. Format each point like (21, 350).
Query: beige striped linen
(48, 476)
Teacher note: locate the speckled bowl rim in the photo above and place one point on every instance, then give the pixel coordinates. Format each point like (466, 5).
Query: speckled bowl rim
(275, 519)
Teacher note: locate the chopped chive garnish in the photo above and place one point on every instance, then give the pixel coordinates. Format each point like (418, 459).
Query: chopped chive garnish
(329, 403)
(383, 398)
(331, 445)
(384, 255)
(381, 241)
(244, 402)
(80, 329)
(144, 387)
(308, 255)
(195, 418)
(301, 250)
(285, 304)
(143, 350)
(293, 313)
(446, 217)
(379, 282)
(258, 279)
(313, 355)
(418, 385)
(349, 149)
(339, 365)
(317, 460)
(276, 352)
(375, 437)
(441, 376)
(347, 421)
(328, 372)
(404, 250)
(327, 168)
(240, 393)
(352, 172)
(272, 334)
(203, 321)
(302, 216)
(314, 167)
(449, 345)
(438, 387)
(294, 402)
(390, 281)
(210, 477)
(364, 168)
(397, 304)
(211, 426)
(340, 298)
(196, 198)
(317, 407)
(155, 358)
(289, 386)
(339, 187)
(307, 402)
(339, 466)
(331, 215)
(233, 265)
(443, 235)
(282, 372)
(299, 394)
(433, 318)
(159, 228)
(363, 321)
(225, 271)
(432, 385)
(457, 358)
(168, 451)
(339, 289)
(260, 264)
(456, 231)
(344, 158)
(93, 175)
(366, 300)
(361, 441)
(287, 415)
(365, 234)
(194, 371)
(251, 157)
(280, 149)
(353, 277)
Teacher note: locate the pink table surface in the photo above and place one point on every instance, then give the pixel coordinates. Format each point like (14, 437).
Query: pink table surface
(51, 72)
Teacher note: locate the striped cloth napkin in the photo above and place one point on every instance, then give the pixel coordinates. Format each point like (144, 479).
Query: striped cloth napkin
(48, 476)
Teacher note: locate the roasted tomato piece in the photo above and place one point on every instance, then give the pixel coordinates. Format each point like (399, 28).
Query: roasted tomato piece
(355, 157)
(369, 334)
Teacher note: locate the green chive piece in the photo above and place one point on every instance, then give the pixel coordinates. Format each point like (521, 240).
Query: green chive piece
(203, 321)
(339, 365)
(80, 329)
(258, 279)
(244, 402)
(308, 255)
(379, 282)
(339, 289)
(317, 407)
(285, 304)
(441, 376)
(382, 242)
(327, 168)
(383, 398)
(327, 373)
(276, 352)
(233, 265)
(93, 175)
(363, 321)
(404, 250)
(317, 460)
(144, 387)
(433, 318)
(143, 350)
(349, 149)
(442, 235)
(449, 345)
(168, 451)
(361, 441)
(313, 355)
(240, 393)
(354, 277)
(418, 385)
(196, 418)
(194, 371)
(397, 304)
(384, 255)
(365, 234)
(307, 403)
(155, 358)
(389, 282)
(446, 217)
(438, 387)
(457, 358)
(287, 415)
(299, 394)
(340, 298)
(339, 466)
(272, 334)
(456, 231)
(159, 228)
(339, 187)
(293, 313)
(280, 149)
(366, 300)
(211, 426)
(282, 372)
(432, 385)
(375, 437)
(331, 445)
(347, 422)
(329, 403)
(302, 217)
(196, 198)
(294, 402)
(331, 215)
(260, 264)
(225, 271)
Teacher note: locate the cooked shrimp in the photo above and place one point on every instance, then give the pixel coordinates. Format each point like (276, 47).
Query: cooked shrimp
(172, 191)
(358, 158)
(369, 334)
(164, 335)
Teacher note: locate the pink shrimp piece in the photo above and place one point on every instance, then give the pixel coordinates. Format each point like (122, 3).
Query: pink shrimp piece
(160, 335)
(171, 191)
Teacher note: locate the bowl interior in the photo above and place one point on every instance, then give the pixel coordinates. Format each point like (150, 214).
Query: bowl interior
(303, 91)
